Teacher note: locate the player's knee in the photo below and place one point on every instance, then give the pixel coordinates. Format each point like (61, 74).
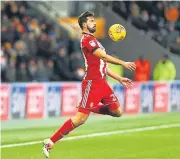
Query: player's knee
(79, 119)
(119, 112)
(116, 110)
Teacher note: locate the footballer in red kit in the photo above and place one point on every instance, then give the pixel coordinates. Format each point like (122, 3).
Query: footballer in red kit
(97, 95)
(94, 86)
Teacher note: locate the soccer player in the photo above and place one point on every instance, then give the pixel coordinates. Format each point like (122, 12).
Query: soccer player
(95, 89)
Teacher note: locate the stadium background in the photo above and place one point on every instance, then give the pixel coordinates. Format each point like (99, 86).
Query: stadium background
(41, 70)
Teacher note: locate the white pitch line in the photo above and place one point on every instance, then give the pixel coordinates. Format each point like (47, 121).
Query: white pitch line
(99, 134)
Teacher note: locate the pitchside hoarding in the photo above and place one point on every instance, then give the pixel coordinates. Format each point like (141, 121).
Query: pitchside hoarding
(132, 99)
(53, 99)
(146, 97)
(70, 98)
(175, 97)
(161, 97)
(4, 101)
(39, 100)
(35, 101)
(18, 101)
(119, 91)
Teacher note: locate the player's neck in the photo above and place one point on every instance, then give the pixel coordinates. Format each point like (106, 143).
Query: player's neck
(87, 32)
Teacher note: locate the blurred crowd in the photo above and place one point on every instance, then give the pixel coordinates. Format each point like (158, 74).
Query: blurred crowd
(159, 19)
(30, 50)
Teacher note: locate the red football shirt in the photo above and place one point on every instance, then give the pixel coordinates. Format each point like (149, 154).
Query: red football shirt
(95, 67)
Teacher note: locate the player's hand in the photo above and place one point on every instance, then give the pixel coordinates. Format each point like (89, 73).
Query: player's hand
(126, 82)
(130, 66)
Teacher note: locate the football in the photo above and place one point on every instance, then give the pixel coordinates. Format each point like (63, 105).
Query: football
(117, 32)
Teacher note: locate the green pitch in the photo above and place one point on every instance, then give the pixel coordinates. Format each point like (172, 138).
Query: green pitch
(157, 143)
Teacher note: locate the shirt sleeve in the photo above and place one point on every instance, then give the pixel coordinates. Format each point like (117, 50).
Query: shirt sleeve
(90, 45)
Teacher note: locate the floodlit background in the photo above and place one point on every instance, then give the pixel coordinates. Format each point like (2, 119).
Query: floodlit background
(42, 66)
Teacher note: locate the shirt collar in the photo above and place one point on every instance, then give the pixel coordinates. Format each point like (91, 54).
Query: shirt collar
(87, 34)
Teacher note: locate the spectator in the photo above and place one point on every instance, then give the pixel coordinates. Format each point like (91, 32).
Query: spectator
(3, 58)
(171, 13)
(43, 28)
(44, 47)
(60, 42)
(164, 70)
(142, 69)
(127, 6)
(22, 55)
(159, 12)
(144, 16)
(177, 25)
(17, 24)
(173, 32)
(6, 34)
(76, 45)
(49, 70)
(12, 10)
(17, 28)
(41, 74)
(30, 41)
(11, 71)
(171, 37)
(25, 23)
(77, 65)
(3, 64)
(152, 22)
(32, 69)
(5, 20)
(9, 51)
(175, 47)
(22, 12)
(34, 27)
(8, 8)
(22, 74)
(61, 65)
(135, 10)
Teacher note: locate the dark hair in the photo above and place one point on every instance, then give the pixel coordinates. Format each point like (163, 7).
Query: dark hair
(83, 18)
(166, 56)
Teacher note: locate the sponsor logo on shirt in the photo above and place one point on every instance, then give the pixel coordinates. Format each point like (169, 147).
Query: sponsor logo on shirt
(92, 43)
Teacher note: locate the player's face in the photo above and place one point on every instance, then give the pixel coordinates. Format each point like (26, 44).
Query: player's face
(91, 24)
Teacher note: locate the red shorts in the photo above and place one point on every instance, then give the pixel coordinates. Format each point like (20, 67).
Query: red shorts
(94, 92)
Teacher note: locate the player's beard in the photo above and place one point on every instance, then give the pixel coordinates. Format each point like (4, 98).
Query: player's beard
(91, 30)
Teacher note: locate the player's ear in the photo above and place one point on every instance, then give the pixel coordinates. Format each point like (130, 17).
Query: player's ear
(84, 24)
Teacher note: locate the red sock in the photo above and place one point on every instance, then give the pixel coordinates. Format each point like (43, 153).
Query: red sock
(64, 130)
(104, 109)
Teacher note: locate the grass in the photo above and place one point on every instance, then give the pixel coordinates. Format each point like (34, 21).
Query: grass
(159, 143)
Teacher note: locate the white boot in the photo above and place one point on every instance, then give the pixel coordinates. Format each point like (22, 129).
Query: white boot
(47, 146)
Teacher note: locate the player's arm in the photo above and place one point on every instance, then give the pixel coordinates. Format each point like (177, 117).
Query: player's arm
(124, 81)
(113, 75)
(102, 54)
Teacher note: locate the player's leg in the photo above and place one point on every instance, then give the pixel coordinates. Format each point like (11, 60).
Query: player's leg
(115, 109)
(112, 109)
(65, 129)
(110, 106)
(69, 125)
(74, 122)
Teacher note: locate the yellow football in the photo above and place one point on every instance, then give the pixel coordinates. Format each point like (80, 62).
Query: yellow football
(117, 32)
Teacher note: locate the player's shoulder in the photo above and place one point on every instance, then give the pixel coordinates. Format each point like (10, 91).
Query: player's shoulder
(87, 38)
